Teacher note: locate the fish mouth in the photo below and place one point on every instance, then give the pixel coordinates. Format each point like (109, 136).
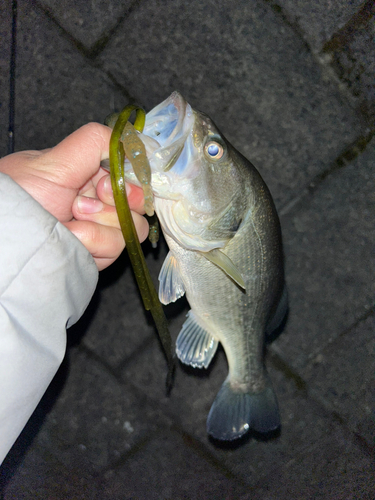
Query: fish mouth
(165, 123)
(165, 134)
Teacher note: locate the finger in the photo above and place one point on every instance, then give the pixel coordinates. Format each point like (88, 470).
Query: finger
(77, 158)
(89, 189)
(92, 209)
(136, 198)
(105, 241)
(100, 173)
(103, 263)
(104, 190)
(134, 194)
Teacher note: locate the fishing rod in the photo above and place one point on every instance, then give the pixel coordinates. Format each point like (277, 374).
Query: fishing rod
(12, 78)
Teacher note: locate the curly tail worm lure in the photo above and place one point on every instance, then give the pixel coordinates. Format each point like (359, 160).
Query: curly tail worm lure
(125, 134)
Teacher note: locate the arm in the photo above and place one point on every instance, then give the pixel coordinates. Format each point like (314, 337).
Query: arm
(58, 226)
(47, 280)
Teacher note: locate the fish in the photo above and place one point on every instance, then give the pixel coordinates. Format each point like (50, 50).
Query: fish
(225, 254)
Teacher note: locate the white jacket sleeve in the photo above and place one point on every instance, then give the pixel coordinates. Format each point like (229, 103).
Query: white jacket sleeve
(47, 278)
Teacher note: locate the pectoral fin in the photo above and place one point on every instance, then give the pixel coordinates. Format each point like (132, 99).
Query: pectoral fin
(222, 261)
(171, 286)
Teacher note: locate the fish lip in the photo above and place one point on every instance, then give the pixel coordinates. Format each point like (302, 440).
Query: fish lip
(179, 104)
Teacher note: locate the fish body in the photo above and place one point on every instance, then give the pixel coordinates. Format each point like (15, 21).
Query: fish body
(224, 236)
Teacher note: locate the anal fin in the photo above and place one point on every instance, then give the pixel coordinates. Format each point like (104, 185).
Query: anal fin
(194, 345)
(233, 413)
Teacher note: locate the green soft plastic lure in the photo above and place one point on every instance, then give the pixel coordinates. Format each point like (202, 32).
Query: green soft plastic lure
(123, 133)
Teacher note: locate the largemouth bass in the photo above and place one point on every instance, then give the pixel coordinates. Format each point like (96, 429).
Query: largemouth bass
(224, 236)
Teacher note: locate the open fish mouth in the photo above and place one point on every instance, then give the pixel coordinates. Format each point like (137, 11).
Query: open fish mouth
(165, 135)
(165, 123)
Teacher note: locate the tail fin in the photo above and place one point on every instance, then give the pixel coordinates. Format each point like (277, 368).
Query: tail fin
(233, 414)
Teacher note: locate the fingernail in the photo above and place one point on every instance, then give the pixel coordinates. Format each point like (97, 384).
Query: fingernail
(89, 205)
(128, 189)
(108, 187)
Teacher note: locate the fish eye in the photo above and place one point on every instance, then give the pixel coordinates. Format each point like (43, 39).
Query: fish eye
(214, 150)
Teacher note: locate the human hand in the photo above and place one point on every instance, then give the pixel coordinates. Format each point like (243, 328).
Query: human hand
(68, 182)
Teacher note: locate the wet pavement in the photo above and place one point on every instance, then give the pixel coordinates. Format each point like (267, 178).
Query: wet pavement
(105, 428)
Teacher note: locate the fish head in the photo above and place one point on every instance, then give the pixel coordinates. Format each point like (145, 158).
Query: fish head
(196, 176)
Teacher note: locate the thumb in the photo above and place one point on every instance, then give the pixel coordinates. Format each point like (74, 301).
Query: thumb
(77, 158)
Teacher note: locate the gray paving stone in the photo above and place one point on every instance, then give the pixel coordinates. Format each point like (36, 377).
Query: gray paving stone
(42, 476)
(246, 69)
(57, 90)
(343, 374)
(5, 42)
(87, 21)
(320, 19)
(304, 427)
(193, 390)
(95, 419)
(117, 322)
(303, 422)
(354, 63)
(169, 470)
(329, 248)
(334, 468)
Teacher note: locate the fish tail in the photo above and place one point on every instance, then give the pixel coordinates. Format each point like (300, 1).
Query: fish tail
(233, 413)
